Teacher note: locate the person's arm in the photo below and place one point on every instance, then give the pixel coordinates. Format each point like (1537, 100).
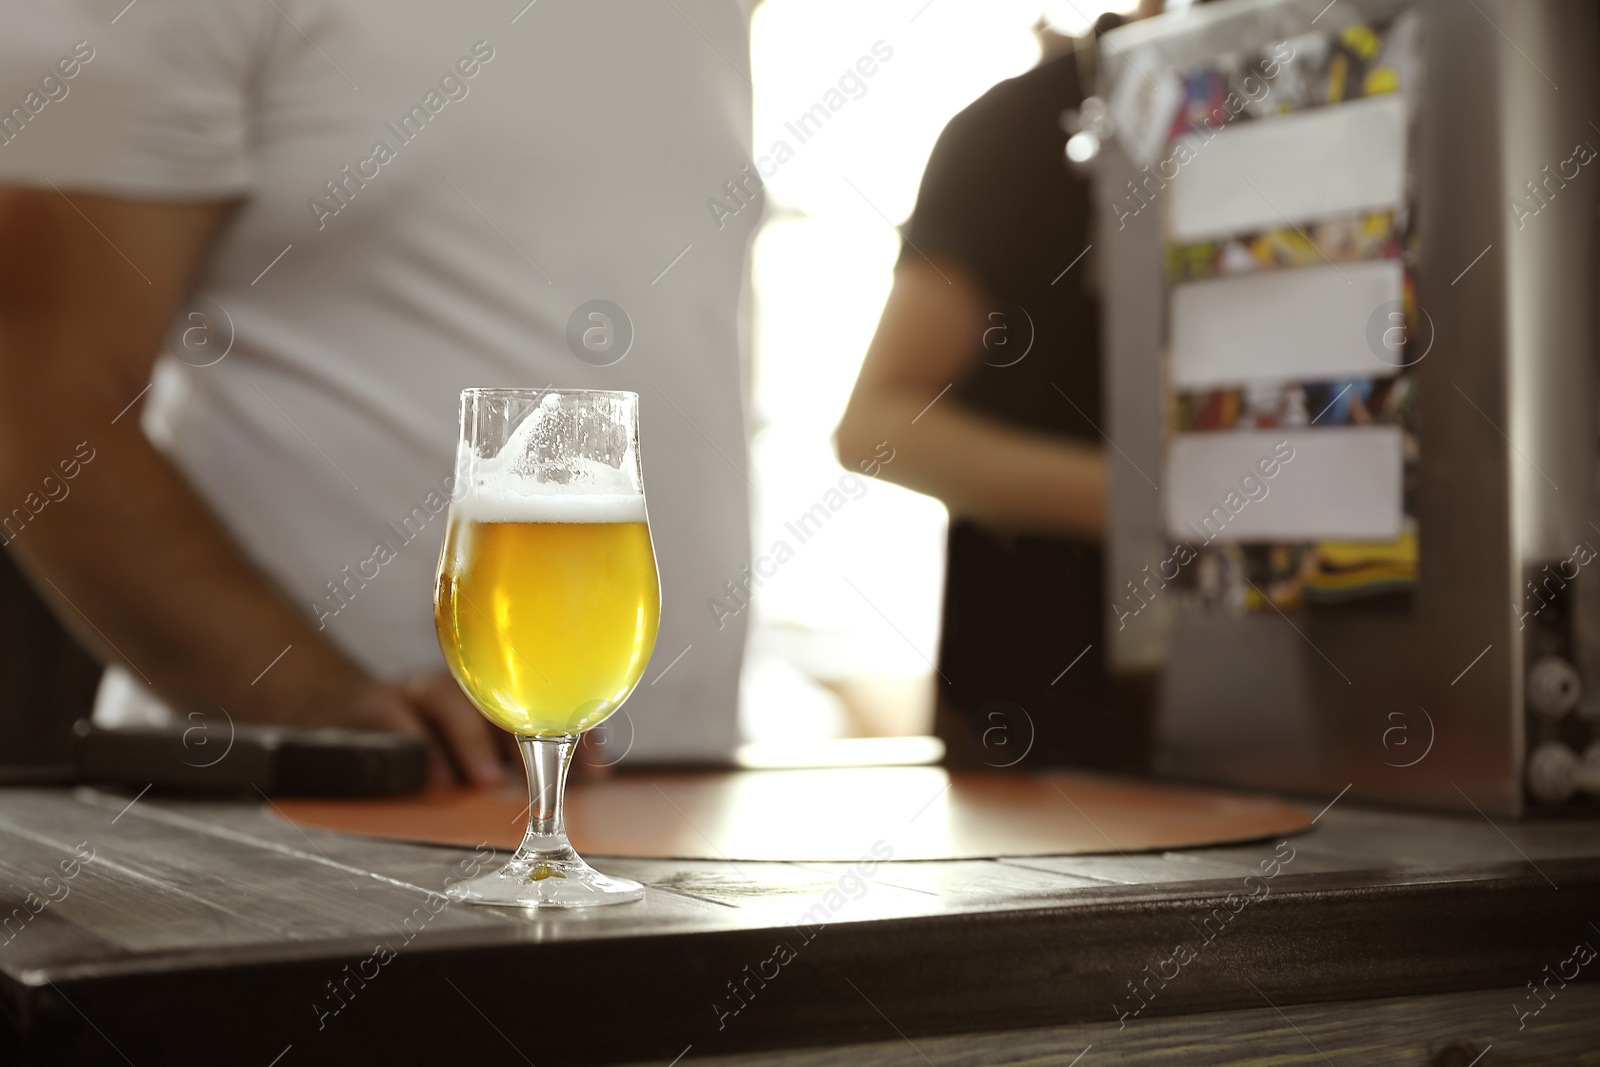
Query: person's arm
(130, 557)
(981, 468)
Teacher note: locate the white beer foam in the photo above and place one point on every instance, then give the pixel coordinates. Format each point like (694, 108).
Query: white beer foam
(497, 488)
(504, 504)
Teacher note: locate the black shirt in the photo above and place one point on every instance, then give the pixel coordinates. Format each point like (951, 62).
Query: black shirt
(998, 199)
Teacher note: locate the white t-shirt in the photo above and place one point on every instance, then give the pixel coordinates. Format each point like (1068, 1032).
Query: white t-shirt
(429, 191)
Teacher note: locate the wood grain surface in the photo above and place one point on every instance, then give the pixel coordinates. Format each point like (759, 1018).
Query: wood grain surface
(206, 932)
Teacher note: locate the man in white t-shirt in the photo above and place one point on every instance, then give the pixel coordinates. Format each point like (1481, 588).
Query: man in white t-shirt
(250, 252)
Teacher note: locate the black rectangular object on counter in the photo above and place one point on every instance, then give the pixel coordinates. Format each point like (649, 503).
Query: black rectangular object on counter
(237, 758)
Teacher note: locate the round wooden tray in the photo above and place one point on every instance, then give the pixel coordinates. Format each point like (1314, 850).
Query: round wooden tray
(920, 813)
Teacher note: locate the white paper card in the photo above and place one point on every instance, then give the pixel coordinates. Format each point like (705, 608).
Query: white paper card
(1306, 324)
(1342, 483)
(1314, 164)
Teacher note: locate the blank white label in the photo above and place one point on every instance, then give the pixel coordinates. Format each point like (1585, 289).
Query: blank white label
(1341, 483)
(1267, 173)
(1305, 324)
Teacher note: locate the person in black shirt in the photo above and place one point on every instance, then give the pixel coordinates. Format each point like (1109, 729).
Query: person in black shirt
(984, 375)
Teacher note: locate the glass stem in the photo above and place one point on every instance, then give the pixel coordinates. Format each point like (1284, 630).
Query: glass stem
(547, 760)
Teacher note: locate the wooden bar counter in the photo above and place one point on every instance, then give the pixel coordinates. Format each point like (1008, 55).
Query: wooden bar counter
(206, 932)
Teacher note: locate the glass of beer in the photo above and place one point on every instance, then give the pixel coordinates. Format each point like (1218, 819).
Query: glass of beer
(547, 604)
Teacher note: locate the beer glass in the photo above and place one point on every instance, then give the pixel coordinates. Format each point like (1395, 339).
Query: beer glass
(547, 604)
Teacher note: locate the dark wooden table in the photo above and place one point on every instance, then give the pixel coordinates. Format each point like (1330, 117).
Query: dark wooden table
(216, 933)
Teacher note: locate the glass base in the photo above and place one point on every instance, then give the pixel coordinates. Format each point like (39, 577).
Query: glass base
(550, 881)
(546, 872)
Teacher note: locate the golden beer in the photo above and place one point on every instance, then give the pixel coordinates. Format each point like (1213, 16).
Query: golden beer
(547, 625)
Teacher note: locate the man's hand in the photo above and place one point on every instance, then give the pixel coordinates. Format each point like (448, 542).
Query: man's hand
(433, 708)
(460, 739)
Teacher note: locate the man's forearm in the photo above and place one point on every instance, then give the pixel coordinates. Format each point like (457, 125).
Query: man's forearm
(143, 573)
(131, 556)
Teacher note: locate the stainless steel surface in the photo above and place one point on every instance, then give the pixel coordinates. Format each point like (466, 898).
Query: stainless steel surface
(1506, 431)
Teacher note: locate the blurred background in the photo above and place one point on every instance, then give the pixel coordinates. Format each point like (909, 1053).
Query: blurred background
(843, 636)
